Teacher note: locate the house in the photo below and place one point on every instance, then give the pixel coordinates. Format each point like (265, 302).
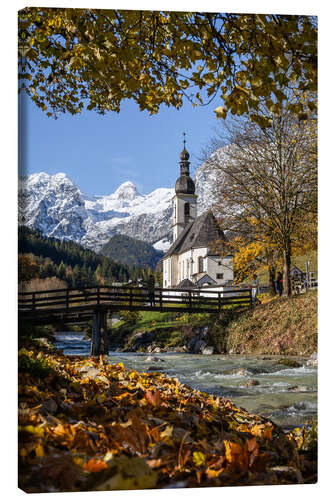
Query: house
(197, 255)
(297, 274)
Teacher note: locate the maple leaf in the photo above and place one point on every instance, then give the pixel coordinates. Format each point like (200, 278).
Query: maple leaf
(94, 465)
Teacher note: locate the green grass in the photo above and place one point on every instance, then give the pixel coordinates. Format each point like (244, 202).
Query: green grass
(296, 260)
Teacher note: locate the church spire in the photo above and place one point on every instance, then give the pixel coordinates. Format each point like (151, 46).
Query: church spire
(184, 159)
(184, 184)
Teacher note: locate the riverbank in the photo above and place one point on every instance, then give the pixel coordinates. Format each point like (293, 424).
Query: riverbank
(283, 326)
(275, 327)
(86, 424)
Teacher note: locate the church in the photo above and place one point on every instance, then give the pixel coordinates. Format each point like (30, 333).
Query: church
(193, 260)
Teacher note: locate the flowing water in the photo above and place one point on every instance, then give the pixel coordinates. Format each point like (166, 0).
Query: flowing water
(288, 396)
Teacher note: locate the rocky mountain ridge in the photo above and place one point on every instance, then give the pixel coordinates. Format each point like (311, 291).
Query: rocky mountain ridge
(55, 205)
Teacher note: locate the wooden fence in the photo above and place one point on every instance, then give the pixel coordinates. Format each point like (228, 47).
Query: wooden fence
(120, 297)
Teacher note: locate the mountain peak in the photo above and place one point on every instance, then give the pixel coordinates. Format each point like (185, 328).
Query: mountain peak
(127, 191)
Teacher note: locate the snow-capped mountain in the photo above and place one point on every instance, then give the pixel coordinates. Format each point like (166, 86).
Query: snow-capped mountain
(54, 205)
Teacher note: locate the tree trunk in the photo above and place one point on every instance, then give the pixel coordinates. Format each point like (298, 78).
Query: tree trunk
(286, 271)
(272, 288)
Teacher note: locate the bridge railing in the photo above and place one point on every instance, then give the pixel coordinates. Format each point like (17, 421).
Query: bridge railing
(133, 297)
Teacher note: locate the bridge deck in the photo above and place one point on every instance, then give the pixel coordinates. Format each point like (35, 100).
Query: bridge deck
(75, 306)
(69, 302)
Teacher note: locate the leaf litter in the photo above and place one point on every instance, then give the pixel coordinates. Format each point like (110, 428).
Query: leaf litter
(120, 430)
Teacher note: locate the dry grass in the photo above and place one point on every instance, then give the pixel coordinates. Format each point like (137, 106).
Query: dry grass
(282, 326)
(40, 285)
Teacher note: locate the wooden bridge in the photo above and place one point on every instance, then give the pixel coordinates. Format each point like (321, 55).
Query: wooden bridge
(75, 306)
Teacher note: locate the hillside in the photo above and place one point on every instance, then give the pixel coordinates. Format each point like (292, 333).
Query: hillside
(279, 327)
(53, 254)
(282, 326)
(131, 252)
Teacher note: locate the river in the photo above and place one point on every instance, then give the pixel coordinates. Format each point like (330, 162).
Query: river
(288, 396)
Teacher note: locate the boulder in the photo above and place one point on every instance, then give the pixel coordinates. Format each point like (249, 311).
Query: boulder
(154, 359)
(292, 363)
(251, 383)
(199, 346)
(313, 360)
(140, 339)
(208, 350)
(240, 371)
(204, 332)
(299, 388)
(138, 335)
(191, 344)
(182, 348)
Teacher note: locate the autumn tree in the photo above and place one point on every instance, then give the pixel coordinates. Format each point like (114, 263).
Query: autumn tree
(76, 58)
(267, 184)
(27, 268)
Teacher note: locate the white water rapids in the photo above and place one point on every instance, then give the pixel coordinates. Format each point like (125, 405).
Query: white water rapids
(288, 396)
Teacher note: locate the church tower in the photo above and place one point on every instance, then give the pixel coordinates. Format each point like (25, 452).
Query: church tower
(185, 199)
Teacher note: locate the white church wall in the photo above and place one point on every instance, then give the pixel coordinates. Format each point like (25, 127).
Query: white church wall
(220, 269)
(167, 272)
(188, 263)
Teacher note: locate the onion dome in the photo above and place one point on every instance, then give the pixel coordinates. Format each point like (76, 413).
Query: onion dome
(184, 185)
(184, 155)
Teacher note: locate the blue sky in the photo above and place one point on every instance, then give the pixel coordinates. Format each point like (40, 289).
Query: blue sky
(100, 152)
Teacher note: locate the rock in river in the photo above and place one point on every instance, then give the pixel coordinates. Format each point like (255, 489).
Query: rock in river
(299, 388)
(209, 349)
(251, 383)
(154, 359)
(313, 361)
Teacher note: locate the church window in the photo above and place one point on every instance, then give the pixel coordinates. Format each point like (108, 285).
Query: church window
(219, 276)
(200, 265)
(187, 212)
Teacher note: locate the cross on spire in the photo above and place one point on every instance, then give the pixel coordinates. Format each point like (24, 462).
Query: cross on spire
(184, 134)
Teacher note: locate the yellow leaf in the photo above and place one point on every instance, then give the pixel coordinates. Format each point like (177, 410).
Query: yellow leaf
(198, 458)
(39, 451)
(167, 432)
(219, 111)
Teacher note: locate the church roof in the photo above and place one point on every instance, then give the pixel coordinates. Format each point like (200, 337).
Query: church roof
(202, 232)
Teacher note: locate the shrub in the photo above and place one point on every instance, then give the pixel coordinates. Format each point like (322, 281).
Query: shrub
(130, 317)
(35, 367)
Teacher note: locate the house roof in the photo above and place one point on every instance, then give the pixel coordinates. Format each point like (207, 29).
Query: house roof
(186, 283)
(205, 277)
(295, 268)
(202, 232)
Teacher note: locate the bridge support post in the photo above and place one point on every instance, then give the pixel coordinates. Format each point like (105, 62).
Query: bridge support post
(99, 340)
